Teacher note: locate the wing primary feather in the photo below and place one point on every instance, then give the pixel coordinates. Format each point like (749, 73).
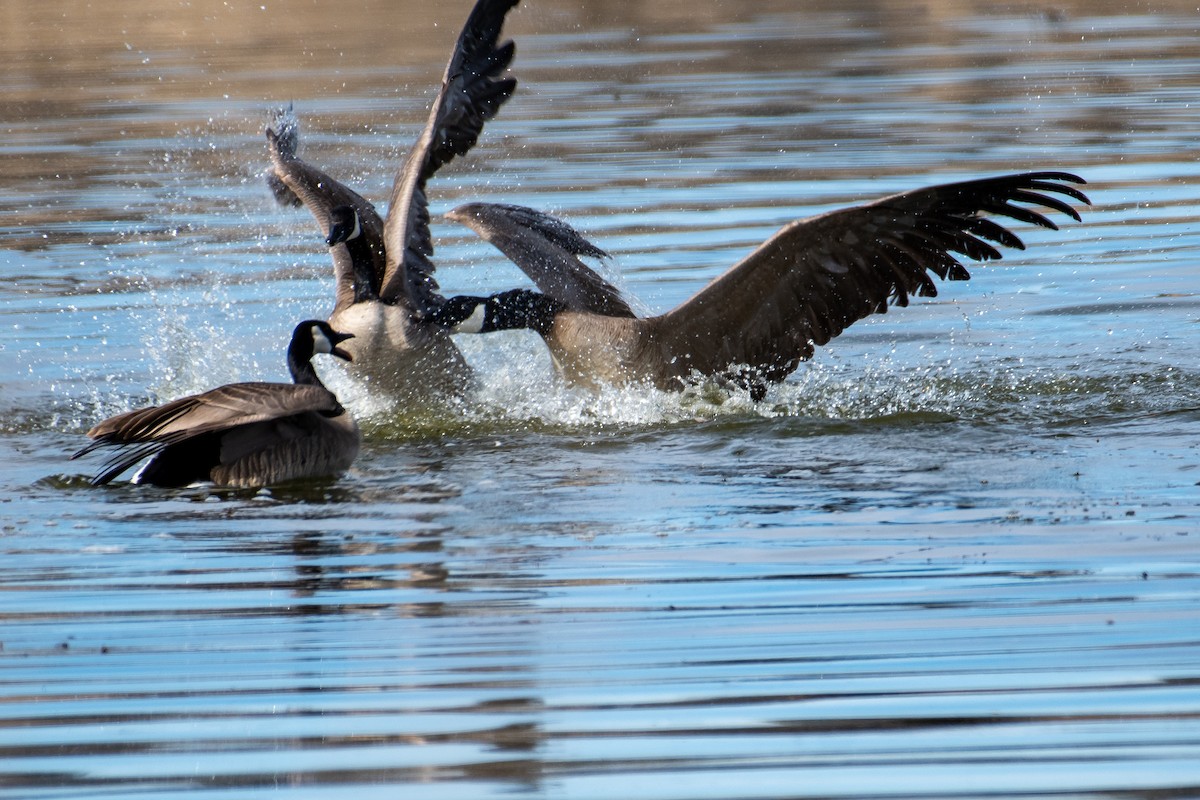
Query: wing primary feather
(1019, 213)
(993, 231)
(1060, 188)
(823, 273)
(1048, 201)
(125, 458)
(471, 94)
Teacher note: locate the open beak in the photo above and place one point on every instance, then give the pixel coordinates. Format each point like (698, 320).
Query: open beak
(337, 351)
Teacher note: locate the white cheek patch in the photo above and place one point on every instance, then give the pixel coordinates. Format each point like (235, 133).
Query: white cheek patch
(321, 343)
(354, 234)
(473, 323)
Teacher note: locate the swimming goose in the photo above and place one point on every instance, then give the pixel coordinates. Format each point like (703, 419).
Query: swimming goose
(754, 324)
(380, 263)
(241, 434)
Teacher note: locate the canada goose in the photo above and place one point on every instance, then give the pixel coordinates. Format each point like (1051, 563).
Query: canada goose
(241, 434)
(755, 323)
(379, 264)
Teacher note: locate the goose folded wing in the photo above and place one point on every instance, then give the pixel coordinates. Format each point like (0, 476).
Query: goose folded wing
(471, 94)
(139, 434)
(817, 276)
(219, 409)
(546, 249)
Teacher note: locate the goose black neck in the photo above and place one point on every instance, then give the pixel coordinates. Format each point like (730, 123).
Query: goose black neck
(300, 353)
(362, 260)
(514, 309)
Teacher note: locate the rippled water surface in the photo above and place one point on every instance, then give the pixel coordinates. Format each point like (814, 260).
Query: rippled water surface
(956, 555)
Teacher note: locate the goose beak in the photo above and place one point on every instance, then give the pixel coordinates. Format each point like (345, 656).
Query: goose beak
(338, 233)
(337, 351)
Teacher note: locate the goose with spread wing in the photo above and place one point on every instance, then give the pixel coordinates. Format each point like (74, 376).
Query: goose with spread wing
(382, 264)
(240, 434)
(755, 323)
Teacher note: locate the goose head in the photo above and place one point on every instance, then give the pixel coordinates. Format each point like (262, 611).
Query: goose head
(344, 225)
(321, 338)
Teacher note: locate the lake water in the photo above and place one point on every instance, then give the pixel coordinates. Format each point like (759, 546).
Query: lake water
(955, 555)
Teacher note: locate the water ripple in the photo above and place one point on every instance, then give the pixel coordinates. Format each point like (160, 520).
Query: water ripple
(951, 557)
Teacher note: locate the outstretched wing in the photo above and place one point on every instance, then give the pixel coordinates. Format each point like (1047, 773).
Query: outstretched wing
(816, 276)
(144, 432)
(293, 182)
(546, 249)
(471, 94)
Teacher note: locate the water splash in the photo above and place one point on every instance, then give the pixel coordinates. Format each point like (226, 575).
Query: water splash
(517, 390)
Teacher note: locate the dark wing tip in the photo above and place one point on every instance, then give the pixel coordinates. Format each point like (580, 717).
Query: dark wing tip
(472, 93)
(1001, 196)
(485, 217)
(83, 451)
(283, 140)
(283, 131)
(127, 455)
(1033, 185)
(547, 249)
(500, 59)
(1053, 175)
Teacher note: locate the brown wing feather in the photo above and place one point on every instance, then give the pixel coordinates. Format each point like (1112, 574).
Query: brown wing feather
(545, 248)
(817, 276)
(221, 408)
(136, 435)
(470, 95)
(321, 194)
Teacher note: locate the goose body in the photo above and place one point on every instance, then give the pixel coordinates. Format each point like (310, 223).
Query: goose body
(386, 261)
(240, 434)
(396, 358)
(755, 323)
(590, 349)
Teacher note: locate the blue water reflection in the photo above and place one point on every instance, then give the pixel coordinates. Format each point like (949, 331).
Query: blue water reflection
(953, 556)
